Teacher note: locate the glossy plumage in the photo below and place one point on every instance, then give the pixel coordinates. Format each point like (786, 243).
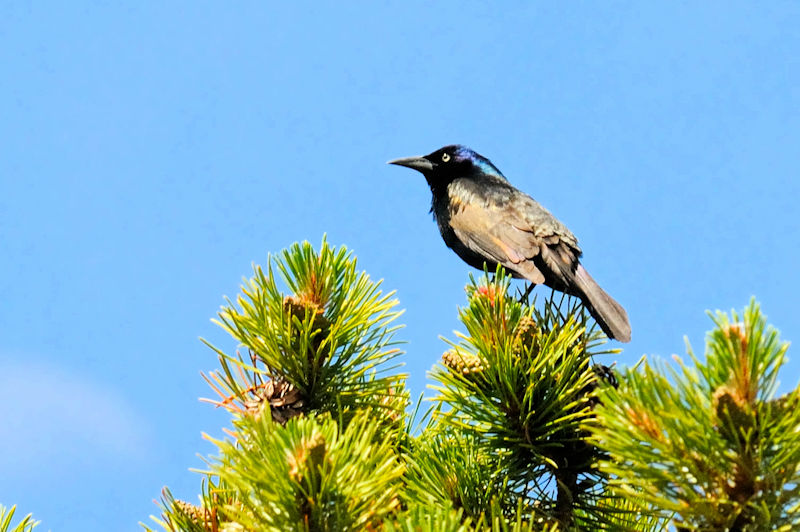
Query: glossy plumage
(484, 219)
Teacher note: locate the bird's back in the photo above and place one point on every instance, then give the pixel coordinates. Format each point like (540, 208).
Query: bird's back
(505, 204)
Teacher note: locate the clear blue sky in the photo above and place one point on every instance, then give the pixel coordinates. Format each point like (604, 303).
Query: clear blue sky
(150, 153)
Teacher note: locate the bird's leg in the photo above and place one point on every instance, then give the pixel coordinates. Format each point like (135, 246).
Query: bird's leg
(524, 297)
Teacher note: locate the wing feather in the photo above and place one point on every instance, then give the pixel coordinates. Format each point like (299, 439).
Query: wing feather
(520, 234)
(481, 230)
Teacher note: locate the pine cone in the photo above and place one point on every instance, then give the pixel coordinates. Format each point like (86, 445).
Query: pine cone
(602, 373)
(284, 400)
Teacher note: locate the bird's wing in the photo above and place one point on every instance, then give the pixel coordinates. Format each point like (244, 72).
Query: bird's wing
(530, 216)
(558, 247)
(521, 235)
(484, 231)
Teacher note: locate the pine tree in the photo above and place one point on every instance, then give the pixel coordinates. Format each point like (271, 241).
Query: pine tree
(527, 430)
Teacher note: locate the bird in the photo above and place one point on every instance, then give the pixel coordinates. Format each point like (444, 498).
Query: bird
(487, 221)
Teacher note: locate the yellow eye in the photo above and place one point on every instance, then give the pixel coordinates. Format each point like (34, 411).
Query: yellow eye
(445, 157)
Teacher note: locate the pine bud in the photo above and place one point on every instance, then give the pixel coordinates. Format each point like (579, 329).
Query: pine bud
(525, 334)
(734, 416)
(736, 332)
(642, 420)
(300, 307)
(310, 454)
(488, 292)
(393, 404)
(465, 364)
(197, 514)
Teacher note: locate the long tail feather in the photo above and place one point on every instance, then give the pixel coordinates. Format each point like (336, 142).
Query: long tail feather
(608, 314)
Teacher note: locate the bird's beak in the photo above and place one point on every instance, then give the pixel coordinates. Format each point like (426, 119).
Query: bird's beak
(420, 164)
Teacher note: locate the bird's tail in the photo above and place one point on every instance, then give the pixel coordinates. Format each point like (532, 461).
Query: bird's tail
(608, 314)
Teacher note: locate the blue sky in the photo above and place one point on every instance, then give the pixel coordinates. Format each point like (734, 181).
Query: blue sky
(150, 153)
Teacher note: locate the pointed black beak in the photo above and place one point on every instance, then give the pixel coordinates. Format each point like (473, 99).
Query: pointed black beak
(420, 164)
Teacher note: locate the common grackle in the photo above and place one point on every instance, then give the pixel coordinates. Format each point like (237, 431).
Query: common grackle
(484, 219)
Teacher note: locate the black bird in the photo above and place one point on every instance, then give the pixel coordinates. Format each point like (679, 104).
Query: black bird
(484, 219)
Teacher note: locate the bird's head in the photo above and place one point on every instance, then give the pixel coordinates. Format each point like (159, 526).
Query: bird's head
(449, 163)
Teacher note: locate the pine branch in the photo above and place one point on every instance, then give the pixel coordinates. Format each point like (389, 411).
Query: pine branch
(526, 433)
(521, 383)
(310, 474)
(710, 443)
(218, 510)
(424, 518)
(325, 347)
(448, 468)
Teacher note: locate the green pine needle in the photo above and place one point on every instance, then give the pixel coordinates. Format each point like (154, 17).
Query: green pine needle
(526, 432)
(521, 383)
(26, 524)
(310, 474)
(330, 337)
(447, 467)
(427, 518)
(710, 443)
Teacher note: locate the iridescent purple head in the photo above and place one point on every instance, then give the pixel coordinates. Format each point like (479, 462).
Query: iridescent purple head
(449, 163)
